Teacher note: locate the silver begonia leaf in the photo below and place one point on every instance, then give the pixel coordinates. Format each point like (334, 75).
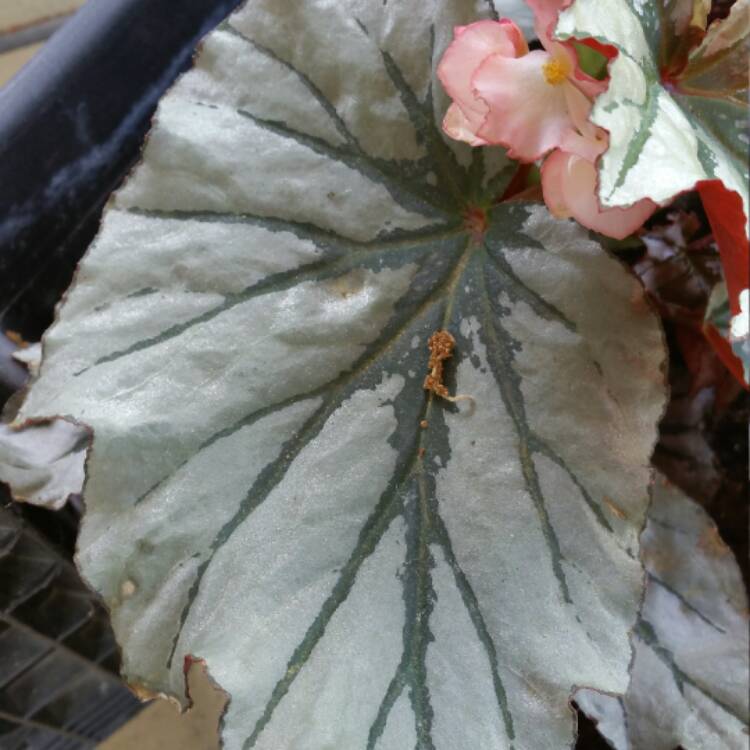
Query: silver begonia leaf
(690, 680)
(271, 489)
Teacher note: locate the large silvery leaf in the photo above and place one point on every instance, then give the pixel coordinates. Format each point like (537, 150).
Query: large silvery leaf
(668, 129)
(690, 673)
(270, 488)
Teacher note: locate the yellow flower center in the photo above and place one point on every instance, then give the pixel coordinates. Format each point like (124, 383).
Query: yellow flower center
(555, 71)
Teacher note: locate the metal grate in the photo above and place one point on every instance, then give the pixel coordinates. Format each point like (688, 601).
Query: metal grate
(59, 688)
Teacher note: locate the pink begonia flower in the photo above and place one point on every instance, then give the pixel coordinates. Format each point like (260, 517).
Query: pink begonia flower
(533, 103)
(503, 94)
(546, 14)
(471, 45)
(569, 182)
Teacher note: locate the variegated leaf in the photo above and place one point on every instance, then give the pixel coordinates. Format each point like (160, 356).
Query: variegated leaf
(690, 674)
(668, 130)
(270, 488)
(733, 329)
(739, 333)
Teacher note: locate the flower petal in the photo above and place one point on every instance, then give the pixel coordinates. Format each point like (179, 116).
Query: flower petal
(458, 127)
(579, 107)
(526, 114)
(471, 45)
(590, 86)
(569, 188)
(546, 13)
(586, 139)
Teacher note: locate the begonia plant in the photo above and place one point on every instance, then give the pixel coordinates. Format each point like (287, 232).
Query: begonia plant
(371, 411)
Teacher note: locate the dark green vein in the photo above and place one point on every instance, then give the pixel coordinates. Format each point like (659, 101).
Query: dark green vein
(323, 238)
(272, 475)
(642, 134)
(707, 159)
(394, 172)
(416, 196)
(518, 290)
(540, 446)
(245, 421)
(486, 195)
(392, 694)
(417, 637)
(317, 94)
(621, 703)
(475, 173)
(500, 359)
(279, 282)
(684, 602)
(422, 119)
(477, 619)
(646, 632)
(370, 535)
(420, 591)
(499, 182)
(145, 292)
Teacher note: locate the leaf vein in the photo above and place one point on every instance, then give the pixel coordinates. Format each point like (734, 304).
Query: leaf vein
(278, 282)
(510, 392)
(270, 477)
(518, 290)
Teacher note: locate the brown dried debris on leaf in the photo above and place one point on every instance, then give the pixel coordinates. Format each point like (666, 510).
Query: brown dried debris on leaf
(441, 345)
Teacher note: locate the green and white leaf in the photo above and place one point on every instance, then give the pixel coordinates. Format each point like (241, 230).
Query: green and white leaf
(739, 332)
(690, 680)
(718, 313)
(247, 338)
(665, 137)
(734, 328)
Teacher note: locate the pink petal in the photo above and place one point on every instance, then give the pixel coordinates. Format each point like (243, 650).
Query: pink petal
(458, 127)
(546, 13)
(590, 86)
(577, 145)
(526, 114)
(516, 36)
(471, 45)
(586, 140)
(580, 106)
(569, 188)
